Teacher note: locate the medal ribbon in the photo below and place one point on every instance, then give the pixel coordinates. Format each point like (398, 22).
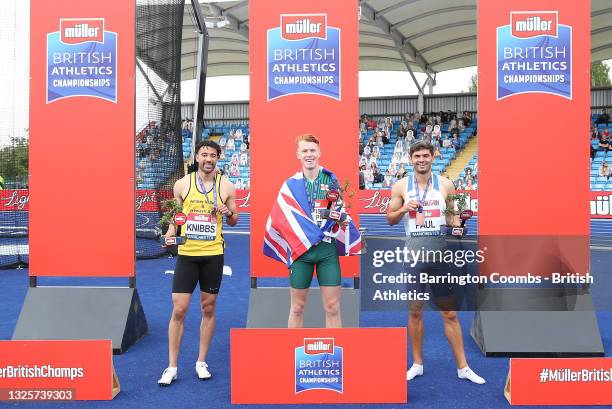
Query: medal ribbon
(214, 190)
(314, 194)
(420, 199)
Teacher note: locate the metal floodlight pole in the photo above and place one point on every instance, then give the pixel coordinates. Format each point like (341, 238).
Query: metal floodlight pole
(203, 39)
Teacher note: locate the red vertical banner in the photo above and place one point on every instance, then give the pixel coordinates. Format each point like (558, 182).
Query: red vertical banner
(82, 110)
(533, 106)
(304, 67)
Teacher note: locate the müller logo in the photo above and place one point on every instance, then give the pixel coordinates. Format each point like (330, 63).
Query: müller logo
(319, 345)
(301, 26)
(527, 24)
(81, 30)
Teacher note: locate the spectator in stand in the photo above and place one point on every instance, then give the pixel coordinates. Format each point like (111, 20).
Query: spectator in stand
(372, 161)
(396, 158)
(470, 185)
(363, 127)
(604, 118)
(222, 156)
(389, 122)
(401, 131)
(371, 124)
(362, 169)
(401, 172)
(405, 158)
(399, 146)
(247, 183)
(423, 119)
(238, 184)
(436, 132)
(409, 137)
(456, 142)
(235, 160)
(437, 152)
(244, 159)
(234, 171)
(595, 132)
(468, 174)
(376, 152)
(604, 170)
(367, 152)
(369, 177)
(222, 141)
(461, 125)
(230, 146)
(363, 161)
(226, 170)
(238, 134)
(606, 133)
(604, 142)
(246, 140)
(466, 119)
(243, 147)
(392, 170)
(460, 184)
(387, 181)
(378, 176)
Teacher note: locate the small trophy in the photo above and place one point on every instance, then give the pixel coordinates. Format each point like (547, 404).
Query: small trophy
(463, 213)
(172, 212)
(333, 196)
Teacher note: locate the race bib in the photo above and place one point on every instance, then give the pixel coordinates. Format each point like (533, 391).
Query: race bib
(201, 227)
(316, 213)
(427, 223)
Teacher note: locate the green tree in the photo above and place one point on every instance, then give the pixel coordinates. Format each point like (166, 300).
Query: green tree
(473, 86)
(14, 159)
(600, 74)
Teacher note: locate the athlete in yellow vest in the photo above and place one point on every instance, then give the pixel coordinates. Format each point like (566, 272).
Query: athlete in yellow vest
(206, 197)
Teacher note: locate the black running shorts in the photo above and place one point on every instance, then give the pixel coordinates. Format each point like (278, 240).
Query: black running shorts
(189, 270)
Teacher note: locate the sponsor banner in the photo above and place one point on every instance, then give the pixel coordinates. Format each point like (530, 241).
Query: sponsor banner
(147, 200)
(304, 61)
(81, 60)
(560, 381)
(82, 74)
(318, 365)
(57, 370)
(521, 200)
(377, 201)
(370, 201)
(14, 200)
(534, 55)
(303, 57)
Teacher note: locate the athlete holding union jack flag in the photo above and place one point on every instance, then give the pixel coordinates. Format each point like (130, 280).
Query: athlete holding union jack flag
(308, 227)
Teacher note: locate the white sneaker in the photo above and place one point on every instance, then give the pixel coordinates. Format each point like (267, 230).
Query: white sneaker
(168, 376)
(202, 370)
(414, 371)
(467, 373)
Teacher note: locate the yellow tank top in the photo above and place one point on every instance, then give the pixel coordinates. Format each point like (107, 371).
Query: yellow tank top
(203, 229)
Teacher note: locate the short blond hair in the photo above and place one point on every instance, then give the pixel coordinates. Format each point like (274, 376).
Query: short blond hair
(307, 137)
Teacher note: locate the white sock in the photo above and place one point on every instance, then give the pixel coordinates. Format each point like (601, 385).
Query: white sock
(172, 369)
(467, 373)
(414, 371)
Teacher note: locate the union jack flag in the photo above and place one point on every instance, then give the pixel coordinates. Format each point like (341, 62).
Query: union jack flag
(291, 229)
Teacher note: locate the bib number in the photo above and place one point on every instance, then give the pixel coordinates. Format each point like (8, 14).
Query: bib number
(201, 227)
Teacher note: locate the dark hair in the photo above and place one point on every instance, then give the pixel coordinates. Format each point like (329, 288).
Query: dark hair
(210, 144)
(419, 146)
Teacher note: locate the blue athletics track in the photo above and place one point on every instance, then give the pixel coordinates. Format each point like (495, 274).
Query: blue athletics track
(140, 367)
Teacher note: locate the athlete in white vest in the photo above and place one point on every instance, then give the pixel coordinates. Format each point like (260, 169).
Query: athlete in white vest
(421, 200)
